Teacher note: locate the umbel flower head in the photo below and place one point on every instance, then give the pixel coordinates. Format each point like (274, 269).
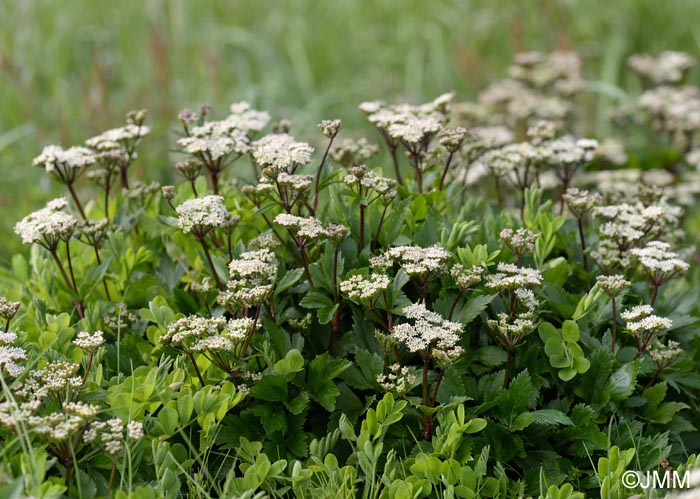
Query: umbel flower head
(113, 435)
(201, 334)
(281, 152)
(305, 229)
(351, 152)
(8, 309)
(399, 379)
(612, 285)
(47, 226)
(66, 164)
(253, 275)
(363, 289)
(428, 332)
(659, 261)
(202, 214)
(119, 139)
(668, 67)
(641, 320)
(11, 356)
(580, 201)
(418, 261)
(520, 241)
(511, 276)
(466, 277)
(89, 342)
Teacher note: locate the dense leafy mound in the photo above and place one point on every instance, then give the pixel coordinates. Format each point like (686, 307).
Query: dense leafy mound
(288, 323)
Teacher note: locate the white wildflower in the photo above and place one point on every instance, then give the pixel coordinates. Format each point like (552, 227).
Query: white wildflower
(89, 341)
(428, 330)
(418, 261)
(281, 152)
(48, 225)
(364, 289)
(510, 276)
(202, 213)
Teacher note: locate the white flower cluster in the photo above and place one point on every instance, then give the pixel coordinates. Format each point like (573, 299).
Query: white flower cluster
(48, 225)
(213, 141)
(363, 289)
(510, 329)
(202, 214)
(567, 151)
(466, 277)
(89, 341)
(628, 225)
(118, 138)
(641, 320)
(398, 380)
(8, 309)
(657, 258)
(612, 285)
(253, 275)
(113, 434)
(611, 151)
(118, 317)
(511, 102)
(330, 128)
(364, 178)
(208, 144)
(580, 201)
(11, 356)
(244, 117)
(411, 124)
(519, 241)
(281, 152)
(55, 159)
(511, 159)
(350, 152)
(669, 67)
(54, 377)
(306, 228)
(201, 334)
(428, 333)
(418, 261)
(665, 354)
(559, 71)
(62, 425)
(675, 109)
(510, 276)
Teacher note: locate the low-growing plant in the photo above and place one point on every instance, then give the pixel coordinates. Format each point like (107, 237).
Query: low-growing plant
(465, 322)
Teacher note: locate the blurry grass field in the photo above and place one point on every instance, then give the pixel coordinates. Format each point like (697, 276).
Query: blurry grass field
(68, 70)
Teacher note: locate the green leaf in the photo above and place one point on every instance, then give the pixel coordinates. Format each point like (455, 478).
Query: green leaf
(522, 421)
(292, 363)
(548, 332)
(474, 307)
(298, 403)
(289, 280)
(475, 425)
(551, 417)
(325, 314)
(623, 381)
(567, 374)
(569, 330)
(272, 388)
(314, 299)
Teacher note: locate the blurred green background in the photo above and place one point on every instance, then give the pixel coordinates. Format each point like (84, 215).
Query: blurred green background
(69, 69)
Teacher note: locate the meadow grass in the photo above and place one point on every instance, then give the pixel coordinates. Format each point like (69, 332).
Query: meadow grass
(68, 70)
